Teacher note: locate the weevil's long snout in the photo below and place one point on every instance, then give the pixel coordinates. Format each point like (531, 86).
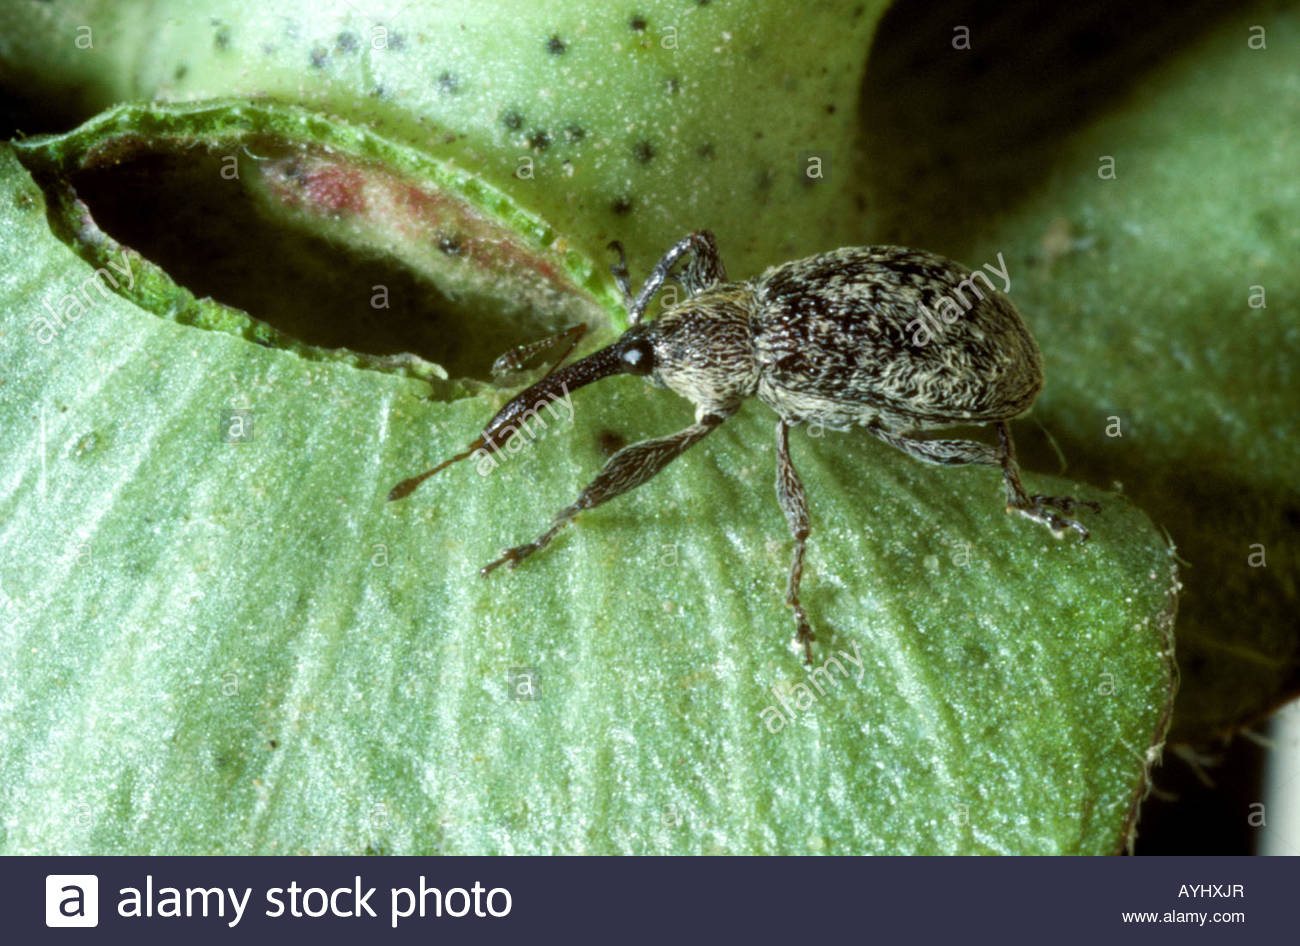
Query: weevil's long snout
(508, 421)
(554, 387)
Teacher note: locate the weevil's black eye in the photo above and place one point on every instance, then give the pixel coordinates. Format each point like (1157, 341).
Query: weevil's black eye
(638, 357)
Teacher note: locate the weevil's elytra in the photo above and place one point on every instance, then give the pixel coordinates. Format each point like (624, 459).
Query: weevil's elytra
(827, 340)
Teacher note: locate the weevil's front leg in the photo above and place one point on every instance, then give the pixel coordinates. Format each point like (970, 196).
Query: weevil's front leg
(794, 503)
(705, 269)
(1036, 507)
(625, 470)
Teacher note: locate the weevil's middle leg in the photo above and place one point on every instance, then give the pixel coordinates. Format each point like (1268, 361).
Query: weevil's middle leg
(794, 503)
(625, 470)
(954, 452)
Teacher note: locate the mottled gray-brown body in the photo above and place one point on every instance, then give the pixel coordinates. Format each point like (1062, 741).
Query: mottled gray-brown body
(891, 339)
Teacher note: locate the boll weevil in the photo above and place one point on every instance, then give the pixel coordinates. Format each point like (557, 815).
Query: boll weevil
(831, 340)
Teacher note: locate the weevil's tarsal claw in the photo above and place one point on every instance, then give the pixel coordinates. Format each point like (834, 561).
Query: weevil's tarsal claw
(1039, 509)
(806, 637)
(1064, 503)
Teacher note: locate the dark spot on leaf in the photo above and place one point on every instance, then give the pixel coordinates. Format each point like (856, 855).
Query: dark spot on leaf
(448, 84)
(541, 140)
(643, 151)
(512, 120)
(672, 85)
(830, 109)
(274, 744)
(706, 151)
(610, 442)
(555, 46)
(180, 72)
(221, 38)
(319, 57)
(621, 205)
(637, 24)
(397, 42)
(451, 243)
(1268, 223)
(227, 762)
(347, 42)
(765, 179)
(575, 132)
(1292, 515)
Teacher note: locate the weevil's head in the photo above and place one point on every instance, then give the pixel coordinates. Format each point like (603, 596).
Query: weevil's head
(701, 348)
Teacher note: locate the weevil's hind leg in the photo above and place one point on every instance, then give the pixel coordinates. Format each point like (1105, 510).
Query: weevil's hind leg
(794, 503)
(956, 452)
(1036, 507)
(625, 470)
(705, 269)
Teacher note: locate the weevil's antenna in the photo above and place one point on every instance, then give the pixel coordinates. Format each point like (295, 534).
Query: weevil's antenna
(510, 360)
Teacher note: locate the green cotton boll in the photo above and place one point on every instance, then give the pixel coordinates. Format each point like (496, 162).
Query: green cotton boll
(611, 123)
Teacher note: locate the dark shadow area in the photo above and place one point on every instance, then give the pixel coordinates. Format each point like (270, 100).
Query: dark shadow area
(210, 237)
(957, 134)
(1204, 808)
(23, 117)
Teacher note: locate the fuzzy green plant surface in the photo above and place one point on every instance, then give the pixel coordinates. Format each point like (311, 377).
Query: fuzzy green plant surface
(230, 643)
(221, 638)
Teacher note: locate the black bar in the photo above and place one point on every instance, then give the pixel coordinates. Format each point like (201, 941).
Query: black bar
(663, 900)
